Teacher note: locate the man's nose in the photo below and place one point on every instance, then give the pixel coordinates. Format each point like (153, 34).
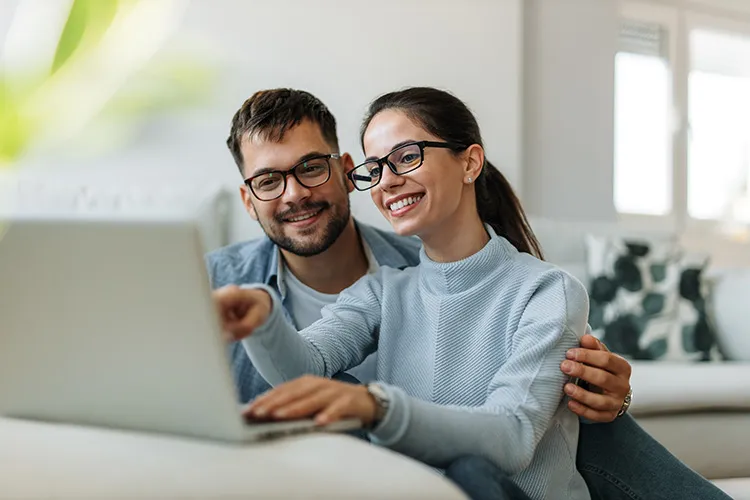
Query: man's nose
(295, 192)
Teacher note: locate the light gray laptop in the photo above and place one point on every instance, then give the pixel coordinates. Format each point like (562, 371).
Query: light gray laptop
(111, 323)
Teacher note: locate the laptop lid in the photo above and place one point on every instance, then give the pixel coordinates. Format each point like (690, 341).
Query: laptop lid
(111, 323)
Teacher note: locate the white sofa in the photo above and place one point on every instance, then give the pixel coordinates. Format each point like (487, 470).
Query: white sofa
(700, 412)
(64, 462)
(57, 193)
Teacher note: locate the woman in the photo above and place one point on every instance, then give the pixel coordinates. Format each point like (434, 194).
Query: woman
(469, 341)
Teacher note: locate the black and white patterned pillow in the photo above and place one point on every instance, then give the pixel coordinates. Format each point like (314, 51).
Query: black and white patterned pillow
(648, 300)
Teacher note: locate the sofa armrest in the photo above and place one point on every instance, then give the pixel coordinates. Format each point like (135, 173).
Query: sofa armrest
(662, 387)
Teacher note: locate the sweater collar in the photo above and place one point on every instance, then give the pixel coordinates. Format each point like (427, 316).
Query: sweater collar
(459, 276)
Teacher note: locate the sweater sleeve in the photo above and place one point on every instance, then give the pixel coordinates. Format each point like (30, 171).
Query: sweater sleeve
(344, 336)
(523, 396)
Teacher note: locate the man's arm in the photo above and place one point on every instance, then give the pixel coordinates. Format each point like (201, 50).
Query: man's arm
(608, 374)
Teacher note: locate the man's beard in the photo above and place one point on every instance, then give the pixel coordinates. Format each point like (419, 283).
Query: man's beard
(335, 226)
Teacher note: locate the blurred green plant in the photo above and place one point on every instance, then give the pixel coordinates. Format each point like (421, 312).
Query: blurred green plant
(86, 17)
(103, 66)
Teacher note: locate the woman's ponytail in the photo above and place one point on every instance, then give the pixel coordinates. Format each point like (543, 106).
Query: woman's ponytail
(499, 207)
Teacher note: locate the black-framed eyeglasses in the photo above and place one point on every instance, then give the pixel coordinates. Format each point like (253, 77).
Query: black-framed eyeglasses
(402, 160)
(311, 172)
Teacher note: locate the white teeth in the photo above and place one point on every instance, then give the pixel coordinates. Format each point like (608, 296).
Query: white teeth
(405, 202)
(302, 217)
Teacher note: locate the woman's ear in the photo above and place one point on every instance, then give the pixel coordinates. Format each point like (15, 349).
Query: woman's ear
(474, 155)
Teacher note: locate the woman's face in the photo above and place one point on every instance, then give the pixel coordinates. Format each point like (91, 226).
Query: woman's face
(423, 200)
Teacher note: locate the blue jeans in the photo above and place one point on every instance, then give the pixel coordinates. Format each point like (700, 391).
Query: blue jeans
(480, 479)
(622, 461)
(618, 461)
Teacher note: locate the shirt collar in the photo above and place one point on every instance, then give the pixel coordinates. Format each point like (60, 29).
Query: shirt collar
(372, 263)
(378, 250)
(276, 269)
(273, 271)
(383, 251)
(280, 268)
(459, 276)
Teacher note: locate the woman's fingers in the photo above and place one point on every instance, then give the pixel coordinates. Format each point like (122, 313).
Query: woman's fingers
(241, 310)
(327, 400)
(308, 405)
(264, 405)
(338, 408)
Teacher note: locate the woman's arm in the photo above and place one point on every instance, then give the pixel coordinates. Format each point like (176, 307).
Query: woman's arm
(341, 339)
(522, 398)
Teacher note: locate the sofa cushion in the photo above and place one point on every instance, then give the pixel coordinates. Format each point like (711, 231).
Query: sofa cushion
(730, 288)
(679, 387)
(737, 488)
(648, 300)
(714, 444)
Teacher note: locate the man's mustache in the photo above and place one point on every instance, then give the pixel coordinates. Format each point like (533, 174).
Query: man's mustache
(301, 209)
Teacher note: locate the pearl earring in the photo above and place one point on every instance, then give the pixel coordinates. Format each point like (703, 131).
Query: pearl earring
(469, 179)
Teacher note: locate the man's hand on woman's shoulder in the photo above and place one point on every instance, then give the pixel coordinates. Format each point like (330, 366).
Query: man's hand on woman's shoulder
(607, 374)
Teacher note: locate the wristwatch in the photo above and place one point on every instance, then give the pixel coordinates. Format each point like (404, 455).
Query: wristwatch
(626, 403)
(382, 402)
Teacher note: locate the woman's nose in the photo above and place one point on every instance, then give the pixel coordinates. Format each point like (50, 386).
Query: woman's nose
(388, 179)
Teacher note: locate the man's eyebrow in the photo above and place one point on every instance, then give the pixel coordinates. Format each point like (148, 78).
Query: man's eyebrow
(305, 157)
(395, 146)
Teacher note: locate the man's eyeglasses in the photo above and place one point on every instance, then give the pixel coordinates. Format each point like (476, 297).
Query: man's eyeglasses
(310, 173)
(402, 160)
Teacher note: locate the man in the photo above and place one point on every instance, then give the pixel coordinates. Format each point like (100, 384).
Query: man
(285, 145)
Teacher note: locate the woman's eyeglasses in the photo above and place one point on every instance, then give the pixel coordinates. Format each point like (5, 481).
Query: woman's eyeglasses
(402, 160)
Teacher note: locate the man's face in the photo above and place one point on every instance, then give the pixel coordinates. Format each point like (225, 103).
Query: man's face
(286, 220)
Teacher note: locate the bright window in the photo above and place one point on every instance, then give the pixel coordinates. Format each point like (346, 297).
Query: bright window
(643, 142)
(719, 111)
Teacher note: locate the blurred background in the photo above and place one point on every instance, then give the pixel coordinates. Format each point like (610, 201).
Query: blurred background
(636, 113)
(141, 93)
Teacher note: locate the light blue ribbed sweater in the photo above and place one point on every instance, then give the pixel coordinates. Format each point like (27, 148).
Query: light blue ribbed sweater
(469, 353)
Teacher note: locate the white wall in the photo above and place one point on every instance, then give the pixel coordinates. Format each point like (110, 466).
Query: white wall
(569, 108)
(344, 51)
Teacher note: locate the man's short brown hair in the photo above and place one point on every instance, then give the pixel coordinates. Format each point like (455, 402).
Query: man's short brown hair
(268, 114)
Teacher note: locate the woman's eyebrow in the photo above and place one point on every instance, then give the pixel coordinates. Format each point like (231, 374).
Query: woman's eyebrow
(395, 147)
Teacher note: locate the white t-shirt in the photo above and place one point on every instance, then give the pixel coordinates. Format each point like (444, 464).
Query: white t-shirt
(305, 304)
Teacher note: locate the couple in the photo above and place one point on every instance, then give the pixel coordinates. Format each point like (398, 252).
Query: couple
(471, 330)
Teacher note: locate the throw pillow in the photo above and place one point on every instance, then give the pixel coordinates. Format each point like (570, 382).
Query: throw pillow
(697, 330)
(647, 300)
